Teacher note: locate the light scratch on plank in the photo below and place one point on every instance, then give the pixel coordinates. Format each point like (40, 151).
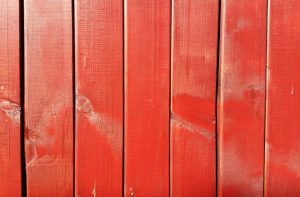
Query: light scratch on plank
(94, 190)
(191, 127)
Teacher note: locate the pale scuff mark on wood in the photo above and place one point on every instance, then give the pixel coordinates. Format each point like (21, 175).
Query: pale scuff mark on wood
(241, 24)
(11, 109)
(236, 171)
(293, 162)
(107, 127)
(94, 192)
(292, 90)
(191, 127)
(31, 150)
(36, 128)
(131, 192)
(290, 161)
(233, 88)
(85, 58)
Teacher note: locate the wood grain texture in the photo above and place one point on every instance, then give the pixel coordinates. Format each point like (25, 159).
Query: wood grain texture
(283, 109)
(10, 164)
(99, 97)
(48, 97)
(193, 130)
(147, 68)
(242, 97)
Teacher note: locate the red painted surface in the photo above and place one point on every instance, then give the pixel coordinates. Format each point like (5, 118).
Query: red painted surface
(242, 98)
(48, 98)
(99, 97)
(193, 130)
(282, 176)
(147, 68)
(171, 54)
(10, 164)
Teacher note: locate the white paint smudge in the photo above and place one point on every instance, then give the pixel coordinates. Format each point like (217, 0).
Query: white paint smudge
(235, 87)
(106, 126)
(12, 110)
(237, 173)
(294, 163)
(36, 130)
(192, 127)
(290, 160)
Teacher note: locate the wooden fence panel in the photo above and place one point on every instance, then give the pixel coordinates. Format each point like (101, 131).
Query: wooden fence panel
(190, 128)
(147, 76)
(99, 97)
(10, 163)
(242, 98)
(282, 176)
(194, 72)
(48, 97)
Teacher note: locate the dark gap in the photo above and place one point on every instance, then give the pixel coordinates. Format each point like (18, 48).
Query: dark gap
(22, 98)
(217, 94)
(266, 89)
(123, 95)
(170, 94)
(73, 91)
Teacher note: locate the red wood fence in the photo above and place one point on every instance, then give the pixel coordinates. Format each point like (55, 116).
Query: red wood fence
(149, 98)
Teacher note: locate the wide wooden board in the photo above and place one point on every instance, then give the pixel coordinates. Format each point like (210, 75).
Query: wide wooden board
(194, 76)
(99, 97)
(48, 97)
(242, 98)
(147, 76)
(282, 176)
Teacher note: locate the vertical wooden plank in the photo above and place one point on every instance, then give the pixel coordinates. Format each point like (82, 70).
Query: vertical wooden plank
(283, 108)
(10, 164)
(193, 130)
(147, 56)
(48, 97)
(99, 96)
(242, 97)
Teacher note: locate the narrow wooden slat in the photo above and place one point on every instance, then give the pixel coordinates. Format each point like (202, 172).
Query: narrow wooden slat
(48, 97)
(283, 108)
(147, 59)
(10, 164)
(242, 97)
(193, 130)
(99, 97)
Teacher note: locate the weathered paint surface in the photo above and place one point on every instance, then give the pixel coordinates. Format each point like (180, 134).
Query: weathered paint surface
(151, 121)
(242, 98)
(282, 176)
(193, 130)
(147, 68)
(10, 164)
(48, 97)
(99, 97)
